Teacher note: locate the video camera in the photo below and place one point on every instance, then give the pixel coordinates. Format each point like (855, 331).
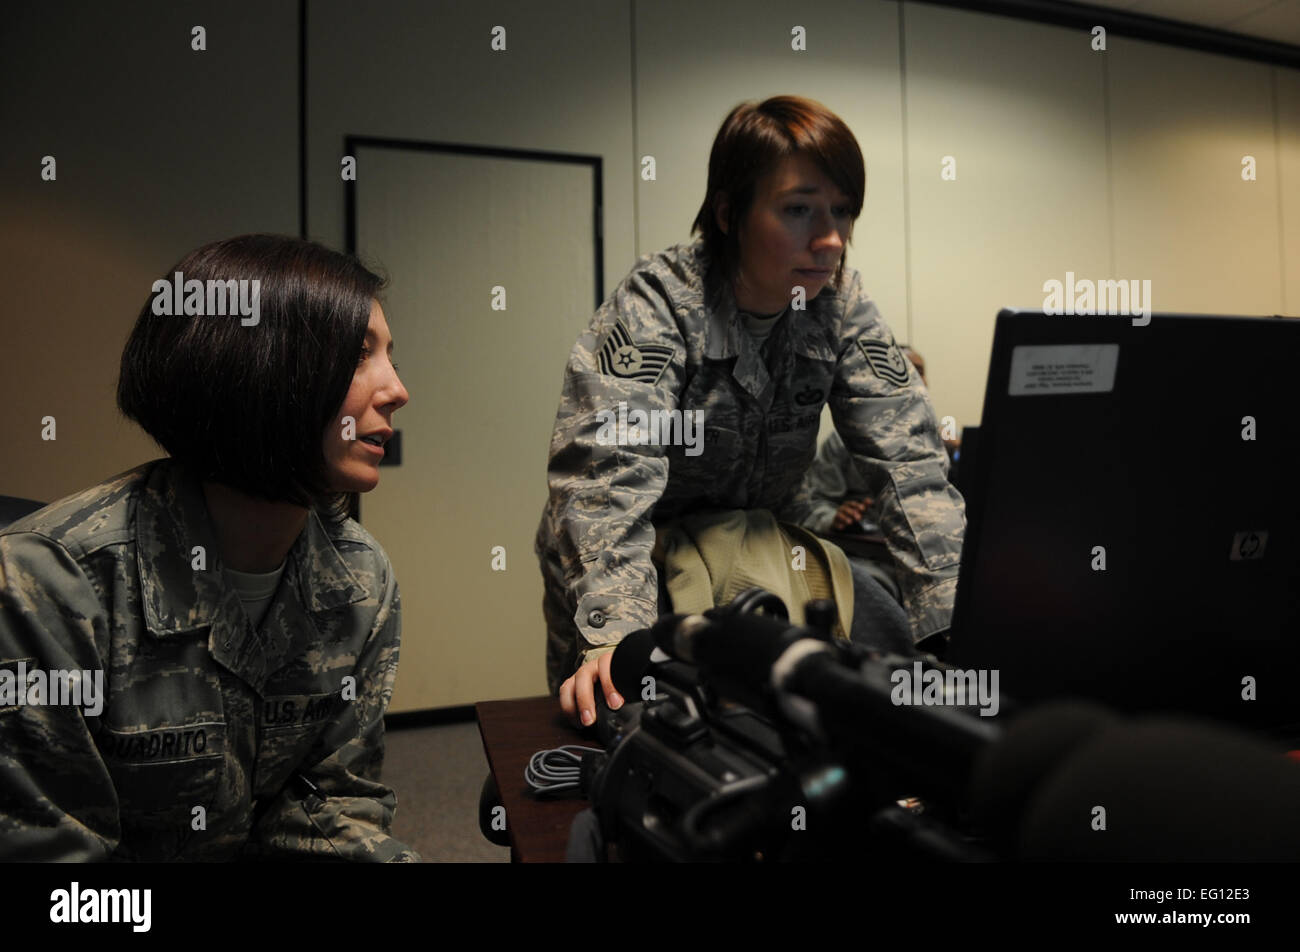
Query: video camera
(758, 740)
(747, 738)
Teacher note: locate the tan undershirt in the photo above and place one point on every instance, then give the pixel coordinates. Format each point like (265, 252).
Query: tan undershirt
(256, 590)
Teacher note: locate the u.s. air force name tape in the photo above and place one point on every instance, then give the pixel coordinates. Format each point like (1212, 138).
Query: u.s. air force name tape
(623, 357)
(886, 360)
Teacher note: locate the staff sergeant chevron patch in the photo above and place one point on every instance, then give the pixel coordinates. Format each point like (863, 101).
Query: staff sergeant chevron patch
(622, 357)
(886, 360)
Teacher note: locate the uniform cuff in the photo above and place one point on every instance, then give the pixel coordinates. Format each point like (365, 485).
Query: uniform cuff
(593, 653)
(822, 519)
(930, 611)
(606, 619)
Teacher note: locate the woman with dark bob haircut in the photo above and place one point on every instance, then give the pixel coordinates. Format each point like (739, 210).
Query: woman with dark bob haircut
(691, 407)
(205, 645)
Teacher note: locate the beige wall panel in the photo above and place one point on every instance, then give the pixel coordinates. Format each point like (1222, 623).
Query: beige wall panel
(1021, 108)
(1288, 184)
(484, 388)
(159, 149)
(695, 61)
(1181, 121)
(426, 71)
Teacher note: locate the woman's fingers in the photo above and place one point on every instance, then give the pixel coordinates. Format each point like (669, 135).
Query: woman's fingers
(578, 694)
(586, 700)
(566, 696)
(612, 697)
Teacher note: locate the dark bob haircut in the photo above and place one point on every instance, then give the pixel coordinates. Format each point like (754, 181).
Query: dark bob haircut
(752, 141)
(247, 403)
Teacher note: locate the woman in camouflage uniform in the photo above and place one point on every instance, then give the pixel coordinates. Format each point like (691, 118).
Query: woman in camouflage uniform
(756, 325)
(243, 631)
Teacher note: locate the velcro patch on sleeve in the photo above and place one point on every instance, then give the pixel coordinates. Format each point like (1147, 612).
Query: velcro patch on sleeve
(886, 360)
(623, 357)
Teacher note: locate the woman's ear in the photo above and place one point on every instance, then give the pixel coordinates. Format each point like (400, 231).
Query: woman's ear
(721, 209)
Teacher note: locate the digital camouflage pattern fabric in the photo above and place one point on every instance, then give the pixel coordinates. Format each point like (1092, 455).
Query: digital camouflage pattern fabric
(215, 741)
(664, 341)
(831, 479)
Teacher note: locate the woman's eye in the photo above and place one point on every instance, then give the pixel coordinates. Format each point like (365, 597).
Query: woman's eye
(840, 211)
(365, 352)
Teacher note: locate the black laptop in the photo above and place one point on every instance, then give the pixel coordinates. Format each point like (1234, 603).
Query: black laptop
(1133, 528)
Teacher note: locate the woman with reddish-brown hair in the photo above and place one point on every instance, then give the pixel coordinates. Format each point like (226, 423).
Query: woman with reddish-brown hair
(721, 353)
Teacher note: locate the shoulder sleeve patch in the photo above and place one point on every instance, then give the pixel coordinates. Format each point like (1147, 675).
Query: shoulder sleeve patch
(622, 357)
(886, 360)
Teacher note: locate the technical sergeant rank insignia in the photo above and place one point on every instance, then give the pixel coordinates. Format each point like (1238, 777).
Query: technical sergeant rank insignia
(623, 357)
(886, 360)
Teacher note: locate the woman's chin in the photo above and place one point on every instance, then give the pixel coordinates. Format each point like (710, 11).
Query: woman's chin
(356, 482)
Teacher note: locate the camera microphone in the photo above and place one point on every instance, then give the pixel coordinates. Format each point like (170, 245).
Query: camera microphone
(632, 659)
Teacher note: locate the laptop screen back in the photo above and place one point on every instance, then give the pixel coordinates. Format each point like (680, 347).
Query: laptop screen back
(1133, 528)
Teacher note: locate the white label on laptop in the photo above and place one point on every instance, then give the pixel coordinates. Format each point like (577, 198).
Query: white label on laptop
(1063, 368)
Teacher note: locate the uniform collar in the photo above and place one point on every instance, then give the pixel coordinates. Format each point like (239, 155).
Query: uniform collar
(808, 333)
(182, 593)
(727, 339)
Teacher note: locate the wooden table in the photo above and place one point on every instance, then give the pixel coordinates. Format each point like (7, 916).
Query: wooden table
(512, 732)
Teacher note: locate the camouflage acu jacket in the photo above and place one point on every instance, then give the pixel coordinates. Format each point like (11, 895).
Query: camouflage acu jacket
(214, 740)
(665, 342)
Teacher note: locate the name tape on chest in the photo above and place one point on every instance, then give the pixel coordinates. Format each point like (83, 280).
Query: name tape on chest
(164, 744)
(623, 357)
(886, 360)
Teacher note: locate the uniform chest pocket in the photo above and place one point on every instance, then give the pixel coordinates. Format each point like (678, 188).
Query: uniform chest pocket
(714, 468)
(289, 731)
(162, 778)
(791, 445)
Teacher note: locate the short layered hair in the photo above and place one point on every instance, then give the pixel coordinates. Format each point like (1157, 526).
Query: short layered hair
(752, 141)
(248, 406)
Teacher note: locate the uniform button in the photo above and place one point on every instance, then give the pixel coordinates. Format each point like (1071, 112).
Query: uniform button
(596, 619)
(228, 644)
